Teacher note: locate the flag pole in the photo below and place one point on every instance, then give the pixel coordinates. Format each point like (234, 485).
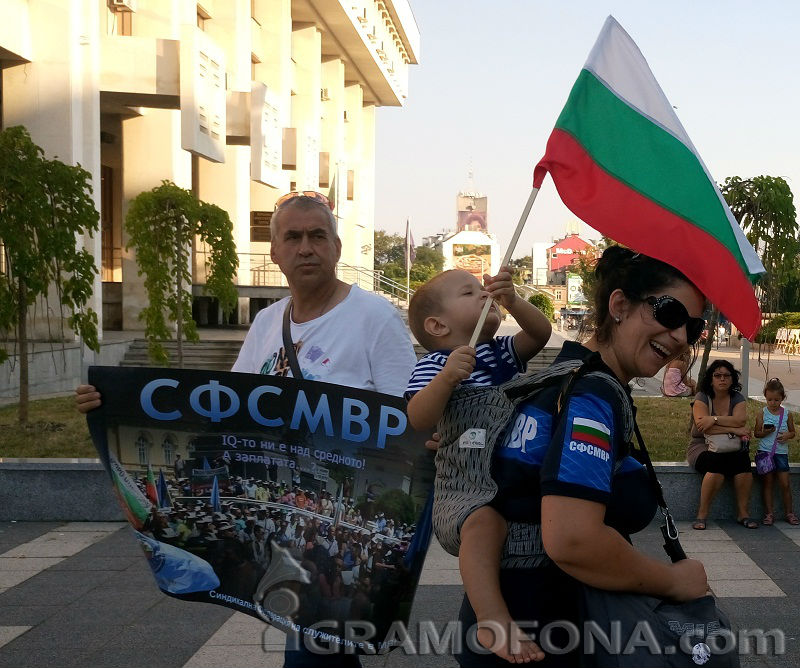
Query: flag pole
(511, 246)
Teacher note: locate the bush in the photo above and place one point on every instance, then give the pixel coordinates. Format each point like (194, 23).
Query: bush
(769, 331)
(544, 304)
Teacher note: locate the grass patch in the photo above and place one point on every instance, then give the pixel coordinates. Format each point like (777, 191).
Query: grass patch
(664, 423)
(56, 429)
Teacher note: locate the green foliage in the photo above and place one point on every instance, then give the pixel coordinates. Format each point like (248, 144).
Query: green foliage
(390, 259)
(521, 266)
(544, 304)
(162, 223)
(769, 331)
(764, 207)
(396, 505)
(388, 249)
(44, 205)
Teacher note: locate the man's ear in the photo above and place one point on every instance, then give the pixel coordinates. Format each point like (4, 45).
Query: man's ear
(618, 305)
(435, 327)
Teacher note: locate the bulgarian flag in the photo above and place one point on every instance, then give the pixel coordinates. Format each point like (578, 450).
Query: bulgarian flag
(134, 504)
(150, 487)
(622, 162)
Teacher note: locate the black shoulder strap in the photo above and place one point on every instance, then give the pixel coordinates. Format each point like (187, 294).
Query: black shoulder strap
(591, 363)
(288, 344)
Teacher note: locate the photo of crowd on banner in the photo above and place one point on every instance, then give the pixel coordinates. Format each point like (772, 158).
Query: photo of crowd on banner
(345, 558)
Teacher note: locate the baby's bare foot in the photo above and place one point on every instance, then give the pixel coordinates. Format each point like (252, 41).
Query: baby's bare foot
(508, 641)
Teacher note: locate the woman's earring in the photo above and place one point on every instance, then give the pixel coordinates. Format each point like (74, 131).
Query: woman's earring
(617, 319)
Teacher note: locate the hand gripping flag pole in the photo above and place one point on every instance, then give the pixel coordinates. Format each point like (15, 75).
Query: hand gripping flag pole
(511, 246)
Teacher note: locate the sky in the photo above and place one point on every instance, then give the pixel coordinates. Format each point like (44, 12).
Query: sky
(493, 75)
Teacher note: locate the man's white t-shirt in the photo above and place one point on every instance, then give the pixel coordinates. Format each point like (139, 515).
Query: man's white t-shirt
(361, 342)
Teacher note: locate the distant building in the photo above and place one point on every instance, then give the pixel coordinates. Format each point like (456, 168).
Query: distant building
(564, 252)
(241, 102)
(470, 247)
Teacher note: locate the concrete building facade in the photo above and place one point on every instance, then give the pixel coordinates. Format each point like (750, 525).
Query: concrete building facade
(239, 101)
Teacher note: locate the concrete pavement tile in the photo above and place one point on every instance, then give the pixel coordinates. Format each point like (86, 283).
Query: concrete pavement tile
(8, 633)
(81, 562)
(106, 527)
(56, 544)
(17, 654)
(53, 588)
(702, 546)
(27, 563)
(10, 579)
(728, 572)
(2, 589)
(240, 629)
(16, 533)
(441, 576)
(11, 615)
(726, 558)
(249, 656)
(745, 588)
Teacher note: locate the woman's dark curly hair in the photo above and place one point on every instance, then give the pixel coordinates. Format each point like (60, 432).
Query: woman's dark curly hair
(637, 275)
(706, 382)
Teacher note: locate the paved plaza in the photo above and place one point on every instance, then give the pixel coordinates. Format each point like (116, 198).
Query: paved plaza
(81, 594)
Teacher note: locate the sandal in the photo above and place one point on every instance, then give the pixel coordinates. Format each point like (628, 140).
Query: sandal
(699, 524)
(748, 523)
(769, 520)
(791, 518)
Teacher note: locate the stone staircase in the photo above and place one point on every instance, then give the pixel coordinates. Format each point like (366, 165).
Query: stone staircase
(217, 355)
(220, 355)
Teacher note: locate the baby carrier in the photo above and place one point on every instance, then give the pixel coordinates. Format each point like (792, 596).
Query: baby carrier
(463, 480)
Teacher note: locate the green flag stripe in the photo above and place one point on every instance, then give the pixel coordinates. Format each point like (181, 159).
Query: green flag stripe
(644, 156)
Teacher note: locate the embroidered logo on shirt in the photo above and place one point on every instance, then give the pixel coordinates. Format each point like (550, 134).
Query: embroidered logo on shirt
(591, 432)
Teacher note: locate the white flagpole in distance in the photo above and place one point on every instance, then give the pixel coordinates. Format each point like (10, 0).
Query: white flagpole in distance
(514, 239)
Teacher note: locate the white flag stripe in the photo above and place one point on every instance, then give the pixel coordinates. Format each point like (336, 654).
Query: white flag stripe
(619, 64)
(586, 422)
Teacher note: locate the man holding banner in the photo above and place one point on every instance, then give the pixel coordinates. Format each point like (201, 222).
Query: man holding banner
(326, 330)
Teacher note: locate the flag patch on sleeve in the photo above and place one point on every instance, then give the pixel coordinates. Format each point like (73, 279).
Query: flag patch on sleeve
(592, 432)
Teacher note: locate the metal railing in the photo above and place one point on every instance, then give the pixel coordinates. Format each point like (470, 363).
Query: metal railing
(263, 272)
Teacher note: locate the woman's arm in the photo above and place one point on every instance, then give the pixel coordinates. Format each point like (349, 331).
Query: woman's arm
(712, 424)
(597, 555)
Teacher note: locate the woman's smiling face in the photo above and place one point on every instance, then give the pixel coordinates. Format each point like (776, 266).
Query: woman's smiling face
(641, 344)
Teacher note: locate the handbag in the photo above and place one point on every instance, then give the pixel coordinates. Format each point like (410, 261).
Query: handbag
(721, 443)
(765, 461)
(623, 629)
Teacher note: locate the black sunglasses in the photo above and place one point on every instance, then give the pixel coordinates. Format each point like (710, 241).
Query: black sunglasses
(672, 314)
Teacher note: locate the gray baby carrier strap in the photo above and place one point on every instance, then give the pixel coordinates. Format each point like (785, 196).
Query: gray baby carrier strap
(473, 423)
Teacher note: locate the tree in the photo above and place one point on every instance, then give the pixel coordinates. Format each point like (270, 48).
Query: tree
(388, 248)
(162, 223)
(426, 265)
(544, 304)
(764, 207)
(390, 259)
(520, 266)
(44, 206)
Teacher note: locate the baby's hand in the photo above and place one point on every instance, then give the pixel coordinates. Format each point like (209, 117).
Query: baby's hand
(459, 365)
(501, 287)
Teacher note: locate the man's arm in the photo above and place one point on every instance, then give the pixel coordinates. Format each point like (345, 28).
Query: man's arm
(392, 357)
(536, 328)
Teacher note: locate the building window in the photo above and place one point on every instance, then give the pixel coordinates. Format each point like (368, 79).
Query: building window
(202, 17)
(143, 444)
(558, 295)
(168, 446)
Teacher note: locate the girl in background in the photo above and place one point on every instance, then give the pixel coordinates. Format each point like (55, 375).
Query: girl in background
(775, 428)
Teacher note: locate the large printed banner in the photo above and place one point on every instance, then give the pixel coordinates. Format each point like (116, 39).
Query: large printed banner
(305, 504)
